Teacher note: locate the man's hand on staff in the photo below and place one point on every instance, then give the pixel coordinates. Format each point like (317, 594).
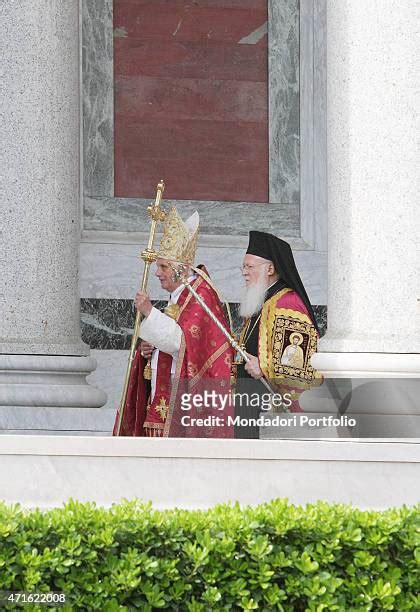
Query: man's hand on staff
(253, 367)
(146, 349)
(143, 303)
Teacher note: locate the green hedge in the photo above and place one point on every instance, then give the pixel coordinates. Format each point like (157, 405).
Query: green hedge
(272, 557)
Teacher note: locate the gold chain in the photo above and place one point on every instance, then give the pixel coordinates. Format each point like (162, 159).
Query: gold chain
(245, 330)
(245, 335)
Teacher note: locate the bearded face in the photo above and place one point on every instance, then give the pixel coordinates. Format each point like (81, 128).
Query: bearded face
(255, 273)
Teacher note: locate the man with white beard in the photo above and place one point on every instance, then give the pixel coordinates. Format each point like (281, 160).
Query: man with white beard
(275, 306)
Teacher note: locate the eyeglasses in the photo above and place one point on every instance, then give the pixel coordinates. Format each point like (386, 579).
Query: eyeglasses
(248, 268)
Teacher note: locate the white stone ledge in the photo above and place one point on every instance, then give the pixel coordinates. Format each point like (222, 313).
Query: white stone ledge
(45, 471)
(407, 450)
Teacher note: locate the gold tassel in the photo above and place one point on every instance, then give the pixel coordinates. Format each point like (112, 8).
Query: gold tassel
(147, 372)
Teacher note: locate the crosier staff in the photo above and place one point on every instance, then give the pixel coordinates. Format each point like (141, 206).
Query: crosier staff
(180, 273)
(148, 256)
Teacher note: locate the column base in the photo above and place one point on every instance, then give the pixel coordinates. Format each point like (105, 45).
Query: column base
(54, 420)
(367, 365)
(38, 387)
(366, 342)
(32, 347)
(364, 395)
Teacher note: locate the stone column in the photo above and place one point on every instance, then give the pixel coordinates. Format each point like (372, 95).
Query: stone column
(372, 189)
(40, 221)
(373, 319)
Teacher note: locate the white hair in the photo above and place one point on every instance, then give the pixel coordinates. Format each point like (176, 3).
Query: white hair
(253, 297)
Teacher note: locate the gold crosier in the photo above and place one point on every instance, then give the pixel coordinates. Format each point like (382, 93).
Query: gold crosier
(180, 273)
(149, 255)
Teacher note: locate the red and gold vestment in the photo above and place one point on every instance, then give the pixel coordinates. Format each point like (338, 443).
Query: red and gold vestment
(203, 368)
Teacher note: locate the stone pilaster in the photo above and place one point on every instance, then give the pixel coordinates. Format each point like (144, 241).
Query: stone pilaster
(372, 191)
(41, 207)
(373, 320)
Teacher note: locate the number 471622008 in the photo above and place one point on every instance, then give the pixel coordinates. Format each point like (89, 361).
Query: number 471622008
(22, 597)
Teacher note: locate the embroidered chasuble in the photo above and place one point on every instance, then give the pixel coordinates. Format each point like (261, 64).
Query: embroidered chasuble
(202, 370)
(284, 338)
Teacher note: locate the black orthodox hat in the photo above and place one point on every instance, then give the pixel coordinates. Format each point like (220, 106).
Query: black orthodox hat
(279, 252)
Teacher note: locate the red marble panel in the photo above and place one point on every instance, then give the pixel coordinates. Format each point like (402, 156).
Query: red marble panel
(135, 57)
(152, 98)
(234, 4)
(192, 139)
(190, 101)
(192, 161)
(188, 22)
(193, 179)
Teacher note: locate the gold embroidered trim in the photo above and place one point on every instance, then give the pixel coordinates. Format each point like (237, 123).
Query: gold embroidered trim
(192, 369)
(284, 329)
(152, 425)
(294, 314)
(195, 285)
(178, 243)
(213, 286)
(180, 360)
(152, 432)
(279, 363)
(209, 363)
(266, 325)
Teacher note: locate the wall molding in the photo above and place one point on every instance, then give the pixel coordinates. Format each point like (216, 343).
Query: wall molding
(98, 136)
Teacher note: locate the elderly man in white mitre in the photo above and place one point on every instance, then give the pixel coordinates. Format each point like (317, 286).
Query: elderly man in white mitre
(187, 351)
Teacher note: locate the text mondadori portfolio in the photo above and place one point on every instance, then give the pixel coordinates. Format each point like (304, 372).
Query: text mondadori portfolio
(289, 420)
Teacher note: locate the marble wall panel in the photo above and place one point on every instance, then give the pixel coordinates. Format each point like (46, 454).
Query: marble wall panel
(98, 97)
(283, 74)
(216, 218)
(108, 324)
(313, 124)
(110, 267)
(320, 125)
(306, 91)
(247, 60)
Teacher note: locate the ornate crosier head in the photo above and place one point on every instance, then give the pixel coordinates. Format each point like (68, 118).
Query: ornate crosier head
(180, 271)
(179, 240)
